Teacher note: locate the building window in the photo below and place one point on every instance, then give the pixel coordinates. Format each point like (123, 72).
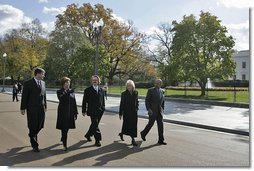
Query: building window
(243, 77)
(243, 64)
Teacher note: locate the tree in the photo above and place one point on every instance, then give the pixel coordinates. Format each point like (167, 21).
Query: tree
(202, 49)
(36, 47)
(69, 54)
(118, 42)
(161, 54)
(26, 48)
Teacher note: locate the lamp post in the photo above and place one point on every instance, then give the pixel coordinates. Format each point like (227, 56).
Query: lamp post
(4, 56)
(97, 34)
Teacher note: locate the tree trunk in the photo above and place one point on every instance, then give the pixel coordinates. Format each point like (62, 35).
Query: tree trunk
(202, 85)
(110, 79)
(203, 90)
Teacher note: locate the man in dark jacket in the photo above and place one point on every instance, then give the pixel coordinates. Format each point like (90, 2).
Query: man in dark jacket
(94, 98)
(34, 103)
(155, 107)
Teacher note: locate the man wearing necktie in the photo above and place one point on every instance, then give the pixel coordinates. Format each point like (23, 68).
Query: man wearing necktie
(155, 106)
(33, 102)
(94, 106)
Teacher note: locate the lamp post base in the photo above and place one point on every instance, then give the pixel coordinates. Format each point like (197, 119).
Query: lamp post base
(3, 90)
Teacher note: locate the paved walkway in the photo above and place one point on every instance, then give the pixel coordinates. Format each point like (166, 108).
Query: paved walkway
(186, 146)
(219, 118)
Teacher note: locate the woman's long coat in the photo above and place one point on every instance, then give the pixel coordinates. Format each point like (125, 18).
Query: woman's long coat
(129, 110)
(67, 109)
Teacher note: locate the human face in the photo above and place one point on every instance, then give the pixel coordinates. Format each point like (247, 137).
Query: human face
(129, 87)
(158, 83)
(66, 85)
(95, 81)
(40, 76)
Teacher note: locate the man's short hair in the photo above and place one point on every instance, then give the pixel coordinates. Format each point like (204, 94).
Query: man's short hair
(38, 71)
(96, 76)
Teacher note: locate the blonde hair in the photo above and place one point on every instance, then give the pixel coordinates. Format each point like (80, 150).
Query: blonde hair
(131, 83)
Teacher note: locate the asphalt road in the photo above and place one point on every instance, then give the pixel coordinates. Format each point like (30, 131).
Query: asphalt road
(186, 146)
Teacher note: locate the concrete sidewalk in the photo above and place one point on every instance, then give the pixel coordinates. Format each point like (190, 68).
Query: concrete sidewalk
(219, 118)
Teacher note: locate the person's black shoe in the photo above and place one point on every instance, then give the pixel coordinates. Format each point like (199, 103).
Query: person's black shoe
(133, 142)
(36, 149)
(143, 136)
(98, 144)
(121, 136)
(88, 138)
(162, 143)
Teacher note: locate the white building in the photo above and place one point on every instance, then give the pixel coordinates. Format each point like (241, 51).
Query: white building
(242, 60)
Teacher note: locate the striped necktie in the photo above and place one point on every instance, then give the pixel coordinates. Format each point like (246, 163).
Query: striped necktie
(39, 84)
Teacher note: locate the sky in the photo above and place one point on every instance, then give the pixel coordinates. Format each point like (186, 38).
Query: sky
(145, 14)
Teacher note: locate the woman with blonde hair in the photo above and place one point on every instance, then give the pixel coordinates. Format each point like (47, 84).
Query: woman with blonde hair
(129, 111)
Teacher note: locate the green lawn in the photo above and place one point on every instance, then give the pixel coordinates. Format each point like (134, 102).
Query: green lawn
(241, 96)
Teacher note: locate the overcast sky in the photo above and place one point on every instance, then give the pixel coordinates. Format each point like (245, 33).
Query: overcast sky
(146, 14)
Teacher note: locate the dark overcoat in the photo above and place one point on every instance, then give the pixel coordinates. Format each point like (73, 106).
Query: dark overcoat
(93, 103)
(129, 110)
(34, 102)
(67, 109)
(155, 100)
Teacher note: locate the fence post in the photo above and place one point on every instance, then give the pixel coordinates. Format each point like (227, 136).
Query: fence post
(234, 88)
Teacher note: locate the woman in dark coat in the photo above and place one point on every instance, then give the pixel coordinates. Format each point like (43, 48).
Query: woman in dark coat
(129, 111)
(67, 110)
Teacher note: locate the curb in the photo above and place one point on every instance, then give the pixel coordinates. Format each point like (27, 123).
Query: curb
(219, 129)
(194, 101)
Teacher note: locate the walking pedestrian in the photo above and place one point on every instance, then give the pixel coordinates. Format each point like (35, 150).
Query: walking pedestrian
(67, 110)
(105, 89)
(155, 105)
(19, 87)
(15, 92)
(33, 102)
(129, 112)
(94, 106)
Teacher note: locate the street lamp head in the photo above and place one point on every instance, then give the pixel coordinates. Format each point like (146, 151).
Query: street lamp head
(98, 24)
(4, 55)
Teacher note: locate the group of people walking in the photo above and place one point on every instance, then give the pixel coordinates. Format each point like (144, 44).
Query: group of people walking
(34, 104)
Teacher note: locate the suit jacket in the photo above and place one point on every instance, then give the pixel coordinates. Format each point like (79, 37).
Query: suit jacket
(67, 109)
(96, 102)
(154, 100)
(34, 101)
(129, 103)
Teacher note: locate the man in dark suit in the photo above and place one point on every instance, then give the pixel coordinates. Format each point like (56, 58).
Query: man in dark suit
(155, 106)
(34, 103)
(94, 98)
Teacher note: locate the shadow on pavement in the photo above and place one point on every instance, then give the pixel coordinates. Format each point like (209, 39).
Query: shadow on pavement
(114, 151)
(14, 156)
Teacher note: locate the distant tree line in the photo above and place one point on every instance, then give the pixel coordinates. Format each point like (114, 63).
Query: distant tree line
(190, 50)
